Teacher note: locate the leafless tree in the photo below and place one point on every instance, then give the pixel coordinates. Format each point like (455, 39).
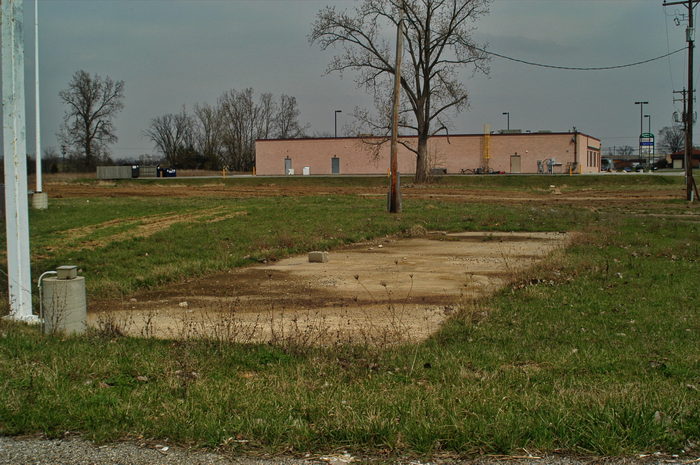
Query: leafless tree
(671, 139)
(625, 151)
(239, 122)
(438, 41)
(245, 119)
(224, 134)
(173, 136)
(266, 116)
(287, 125)
(92, 104)
(207, 125)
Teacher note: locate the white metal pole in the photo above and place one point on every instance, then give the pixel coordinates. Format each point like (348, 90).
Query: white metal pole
(36, 98)
(15, 151)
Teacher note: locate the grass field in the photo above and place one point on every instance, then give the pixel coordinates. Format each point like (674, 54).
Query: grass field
(595, 351)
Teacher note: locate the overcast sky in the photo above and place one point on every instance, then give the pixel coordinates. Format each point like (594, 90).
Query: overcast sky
(180, 52)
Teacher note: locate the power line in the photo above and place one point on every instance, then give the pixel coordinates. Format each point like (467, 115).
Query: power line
(574, 68)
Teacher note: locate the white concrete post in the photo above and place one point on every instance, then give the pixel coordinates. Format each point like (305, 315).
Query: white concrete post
(15, 154)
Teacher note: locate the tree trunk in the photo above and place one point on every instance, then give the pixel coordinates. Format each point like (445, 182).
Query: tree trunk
(422, 161)
(88, 156)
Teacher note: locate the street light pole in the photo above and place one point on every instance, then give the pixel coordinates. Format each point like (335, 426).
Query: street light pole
(335, 117)
(507, 113)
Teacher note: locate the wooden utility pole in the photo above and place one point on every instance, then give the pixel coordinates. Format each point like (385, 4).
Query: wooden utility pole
(690, 186)
(395, 189)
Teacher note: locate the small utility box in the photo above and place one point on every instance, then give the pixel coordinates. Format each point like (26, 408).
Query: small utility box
(63, 302)
(318, 257)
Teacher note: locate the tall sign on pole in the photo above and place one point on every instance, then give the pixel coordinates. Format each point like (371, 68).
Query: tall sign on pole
(394, 189)
(15, 151)
(646, 146)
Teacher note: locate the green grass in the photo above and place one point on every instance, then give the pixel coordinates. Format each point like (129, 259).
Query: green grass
(500, 182)
(272, 228)
(593, 352)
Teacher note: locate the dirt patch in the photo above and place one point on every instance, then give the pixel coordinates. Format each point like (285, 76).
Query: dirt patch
(382, 292)
(79, 238)
(445, 193)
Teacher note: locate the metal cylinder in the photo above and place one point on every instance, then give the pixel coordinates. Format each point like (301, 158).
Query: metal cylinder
(64, 305)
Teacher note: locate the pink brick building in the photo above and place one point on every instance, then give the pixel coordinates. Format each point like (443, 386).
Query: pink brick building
(511, 153)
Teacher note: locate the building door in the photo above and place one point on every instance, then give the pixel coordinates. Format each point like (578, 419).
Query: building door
(515, 163)
(288, 166)
(335, 165)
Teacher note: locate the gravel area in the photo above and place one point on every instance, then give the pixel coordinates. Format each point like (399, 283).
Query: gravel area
(76, 451)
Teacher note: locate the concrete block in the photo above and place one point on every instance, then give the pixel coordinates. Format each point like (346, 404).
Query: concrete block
(40, 200)
(318, 257)
(67, 272)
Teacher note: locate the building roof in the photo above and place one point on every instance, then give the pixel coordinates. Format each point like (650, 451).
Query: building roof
(681, 153)
(494, 134)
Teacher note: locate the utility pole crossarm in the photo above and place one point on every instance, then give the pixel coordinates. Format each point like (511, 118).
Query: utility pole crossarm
(684, 2)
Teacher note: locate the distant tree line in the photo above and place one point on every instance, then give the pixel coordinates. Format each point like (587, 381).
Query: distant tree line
(223, 135)
(207, 137)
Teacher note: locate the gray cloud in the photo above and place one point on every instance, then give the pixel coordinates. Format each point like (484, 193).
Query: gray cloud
(174, 53)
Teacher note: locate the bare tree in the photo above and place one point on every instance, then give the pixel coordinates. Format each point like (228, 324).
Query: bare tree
(87, 128)
(173, 136)
(51, 160)
(438, 42)
(207, 126)
(671, 139)
(240, 118)
(266, 113)
(625, 151)
(287, 125)
(244, 120)
(223, 135)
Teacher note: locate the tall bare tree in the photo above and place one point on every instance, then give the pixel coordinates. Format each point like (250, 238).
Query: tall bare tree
(286, 121)
(438, 41)
(172, 135)
(266, 116)
(224, 134)
(207, 134)
(92, 104)
(239, 120)
(671, 139)
(245, 119)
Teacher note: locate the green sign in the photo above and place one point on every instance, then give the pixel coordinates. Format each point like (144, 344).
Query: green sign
(647, 135)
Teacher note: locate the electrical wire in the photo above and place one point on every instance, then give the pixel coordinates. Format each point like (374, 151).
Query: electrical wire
(574, 68)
